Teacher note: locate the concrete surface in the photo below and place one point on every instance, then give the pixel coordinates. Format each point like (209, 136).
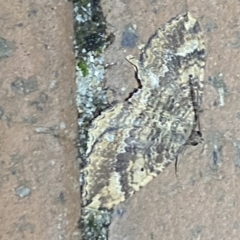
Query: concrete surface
(39, 172)
(39, 190)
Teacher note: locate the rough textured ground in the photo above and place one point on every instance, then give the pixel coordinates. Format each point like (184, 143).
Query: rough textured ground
(38, 122)
(38, 174)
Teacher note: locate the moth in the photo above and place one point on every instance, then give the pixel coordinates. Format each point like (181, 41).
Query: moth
(132, 142)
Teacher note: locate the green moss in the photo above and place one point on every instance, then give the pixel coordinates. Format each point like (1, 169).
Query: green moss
(84, 2)
(83, 66)
(91, 33)
(92, 222)
(95, 225)
(91, 40)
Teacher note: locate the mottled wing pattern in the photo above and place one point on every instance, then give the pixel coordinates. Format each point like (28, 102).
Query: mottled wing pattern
(132, 142)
